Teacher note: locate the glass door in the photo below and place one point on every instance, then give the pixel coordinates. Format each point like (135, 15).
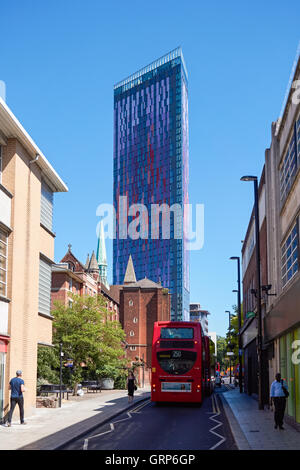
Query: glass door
(2, 374)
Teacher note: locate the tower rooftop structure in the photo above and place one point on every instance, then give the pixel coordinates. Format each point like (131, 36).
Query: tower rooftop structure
(139, 76)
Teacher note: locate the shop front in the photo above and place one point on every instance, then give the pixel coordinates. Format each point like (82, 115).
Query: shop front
(289, 353)
(283, 327)
(249, 335)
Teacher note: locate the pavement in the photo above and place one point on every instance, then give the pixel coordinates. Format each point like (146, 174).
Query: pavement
(253, 429)
(53, 428)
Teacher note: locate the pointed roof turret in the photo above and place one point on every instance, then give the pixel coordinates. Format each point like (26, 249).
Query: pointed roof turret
(93, 263)
(130, 273)
(87, 262)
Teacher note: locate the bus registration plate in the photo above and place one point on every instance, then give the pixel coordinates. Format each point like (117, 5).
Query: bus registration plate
(176, 387)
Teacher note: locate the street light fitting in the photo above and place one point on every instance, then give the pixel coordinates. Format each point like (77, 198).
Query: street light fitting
(254, 292)
(249, 178)
(266, 289)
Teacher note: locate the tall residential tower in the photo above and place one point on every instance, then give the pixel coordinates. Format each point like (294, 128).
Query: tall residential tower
(151, 167)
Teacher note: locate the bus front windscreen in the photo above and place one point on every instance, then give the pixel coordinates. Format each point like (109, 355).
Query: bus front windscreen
(176, 362)
(177, 333)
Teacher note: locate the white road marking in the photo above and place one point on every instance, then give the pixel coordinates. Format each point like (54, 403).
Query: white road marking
(213, 418)
(112, 428)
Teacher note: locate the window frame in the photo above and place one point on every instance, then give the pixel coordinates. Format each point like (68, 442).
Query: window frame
(285, 258)
(6, 261)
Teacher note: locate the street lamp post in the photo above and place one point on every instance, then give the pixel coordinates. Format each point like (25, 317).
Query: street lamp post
(258, 288)
(229, 314)
(237, 258)
(60, 372)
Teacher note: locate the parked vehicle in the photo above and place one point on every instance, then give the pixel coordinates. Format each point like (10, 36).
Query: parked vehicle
(218, 381)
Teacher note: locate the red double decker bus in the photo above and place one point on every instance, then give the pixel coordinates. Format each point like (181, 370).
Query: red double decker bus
(179, 362)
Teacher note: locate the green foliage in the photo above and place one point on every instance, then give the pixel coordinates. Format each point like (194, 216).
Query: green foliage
(232, 335)
(108, 371)
(89, 338)
(47, 365)
(221, 351)
(121, 382)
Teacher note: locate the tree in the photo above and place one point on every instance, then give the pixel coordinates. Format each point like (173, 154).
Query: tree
(221, 351)
(232, 335)
(47, 365)
(89, 338)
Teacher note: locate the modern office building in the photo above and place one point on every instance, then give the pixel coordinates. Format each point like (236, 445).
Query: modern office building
(213, 337)
(282, 324)
(197, 314)
(279, 228)
(151, 156)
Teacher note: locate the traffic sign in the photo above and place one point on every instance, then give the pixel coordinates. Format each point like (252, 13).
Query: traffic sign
(250, 315)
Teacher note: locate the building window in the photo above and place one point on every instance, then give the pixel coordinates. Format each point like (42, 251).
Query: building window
(131, 333)
(289, 255)
(46, 206)
(70, 284)
(135, 320)
(3, 263)
(289, 165)
(132, 348)
(130, 303)
(45, 287)
(71, 267)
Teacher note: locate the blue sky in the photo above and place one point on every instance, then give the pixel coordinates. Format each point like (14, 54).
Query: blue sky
(60, 60)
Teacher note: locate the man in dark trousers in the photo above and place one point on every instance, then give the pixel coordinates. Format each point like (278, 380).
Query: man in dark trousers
(278, 396)
(16, 387)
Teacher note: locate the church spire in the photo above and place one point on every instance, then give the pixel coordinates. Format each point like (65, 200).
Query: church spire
(101, 256)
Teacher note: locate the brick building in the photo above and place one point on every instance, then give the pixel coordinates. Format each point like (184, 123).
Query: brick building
(70, 276)
(142, 303)
(249, 329)
(27, 184)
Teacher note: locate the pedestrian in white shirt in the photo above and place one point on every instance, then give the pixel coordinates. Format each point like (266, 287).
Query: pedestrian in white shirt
(278, 394)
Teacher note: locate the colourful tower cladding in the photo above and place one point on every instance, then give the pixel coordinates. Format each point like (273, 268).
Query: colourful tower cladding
(151, 167)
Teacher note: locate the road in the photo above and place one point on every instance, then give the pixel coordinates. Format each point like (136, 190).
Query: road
(148, 426)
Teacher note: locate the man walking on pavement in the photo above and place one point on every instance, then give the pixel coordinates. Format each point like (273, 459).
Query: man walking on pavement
(278, 394)
(16, 386)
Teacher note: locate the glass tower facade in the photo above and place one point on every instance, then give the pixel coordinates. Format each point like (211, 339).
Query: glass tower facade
(151, 156)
